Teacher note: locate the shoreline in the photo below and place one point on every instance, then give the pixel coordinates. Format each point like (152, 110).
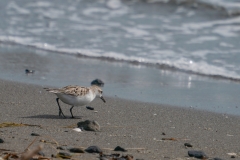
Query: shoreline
(128, 81)
(124, 123)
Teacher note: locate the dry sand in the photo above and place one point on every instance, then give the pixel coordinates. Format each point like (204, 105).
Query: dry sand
(137, 126)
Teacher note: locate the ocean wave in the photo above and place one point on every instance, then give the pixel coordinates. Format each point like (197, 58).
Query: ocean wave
(231, 7)
(181, 65)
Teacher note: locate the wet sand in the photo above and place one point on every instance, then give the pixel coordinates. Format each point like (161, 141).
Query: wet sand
(138, 127)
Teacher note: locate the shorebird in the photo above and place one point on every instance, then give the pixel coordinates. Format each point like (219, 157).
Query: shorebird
(76, 95)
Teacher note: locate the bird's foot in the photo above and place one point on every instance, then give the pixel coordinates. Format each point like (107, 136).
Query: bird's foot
(61, 113)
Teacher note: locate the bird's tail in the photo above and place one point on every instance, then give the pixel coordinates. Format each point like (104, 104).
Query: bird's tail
(52, 90)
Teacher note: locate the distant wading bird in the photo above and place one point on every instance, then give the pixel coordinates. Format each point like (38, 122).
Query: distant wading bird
(76, 95)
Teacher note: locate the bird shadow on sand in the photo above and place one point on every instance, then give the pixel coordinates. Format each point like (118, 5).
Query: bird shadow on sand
(49, 116)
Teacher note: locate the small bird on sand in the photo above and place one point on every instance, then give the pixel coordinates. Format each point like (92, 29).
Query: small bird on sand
(76, 95)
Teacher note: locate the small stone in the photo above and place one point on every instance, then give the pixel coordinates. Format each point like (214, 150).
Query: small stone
(35, 134)
(28, 71)
(97, 82)
(1, 140)
(197, 154)
(216, 159)
(90, 108)
(187, 145)
(89, 125)
(62, 147)
(118, 148)
(93, 149)
(76, 150)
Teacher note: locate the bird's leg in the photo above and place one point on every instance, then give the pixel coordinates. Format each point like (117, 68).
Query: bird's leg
(71, 111)
(60, 110)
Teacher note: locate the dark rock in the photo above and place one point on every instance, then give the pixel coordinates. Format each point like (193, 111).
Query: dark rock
(163, 133)
(187, 145)
(89, 125)
(97, 82)
(27, 71)
(232, 156)
(62, 147)
(1, 140)
(76, 150)
(35, 134)
(197, 154)
(90, 108)
(93, 149)
(118, 148)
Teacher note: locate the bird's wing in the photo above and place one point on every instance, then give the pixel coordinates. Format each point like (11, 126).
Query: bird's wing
(70, 90)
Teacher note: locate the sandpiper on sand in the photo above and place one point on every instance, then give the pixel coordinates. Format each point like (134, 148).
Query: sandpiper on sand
(76, 95)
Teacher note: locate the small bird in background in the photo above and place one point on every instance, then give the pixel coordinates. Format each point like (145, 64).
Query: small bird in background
(76, 95)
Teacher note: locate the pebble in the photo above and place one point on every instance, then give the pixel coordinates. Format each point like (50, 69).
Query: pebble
(118, 148)
(1, 140)
(187, 145)
(97, 82)
(35, 134)
(90, 108)
(27, 71)
(76, 150)
(62, 147)
(197, 154)
(89, 125)
(93, 149)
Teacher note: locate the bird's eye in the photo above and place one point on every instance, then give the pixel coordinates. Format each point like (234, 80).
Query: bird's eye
(100, 92)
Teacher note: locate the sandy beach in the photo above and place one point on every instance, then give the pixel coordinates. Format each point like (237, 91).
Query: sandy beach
(138, 127)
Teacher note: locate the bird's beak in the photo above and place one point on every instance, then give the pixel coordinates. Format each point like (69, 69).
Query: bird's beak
(103, 99)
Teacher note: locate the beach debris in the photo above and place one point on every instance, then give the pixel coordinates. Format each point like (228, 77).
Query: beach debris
(63, 155)
(10, 155)
(29, 154)
(118, 148)
(89, 125)
(12, 124)
(77, 129)
(197, 154)
(170, 139)
(97, 82)
(93, 149)
(28, 71)
(187, 145)
(163, 133)
(35, 134)
(76, 150)
(1, 140)
(90, 108)
(232, 155)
